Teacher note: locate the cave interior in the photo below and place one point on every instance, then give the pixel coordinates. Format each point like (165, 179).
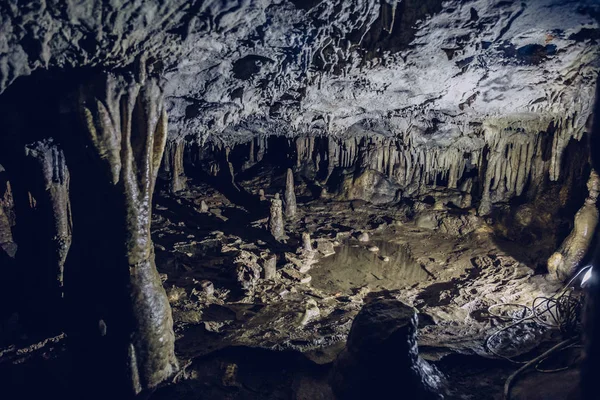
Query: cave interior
(299, 199)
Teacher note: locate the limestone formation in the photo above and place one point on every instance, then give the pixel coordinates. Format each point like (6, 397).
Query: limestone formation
(567, 259)
(247, 270)
(173, 165)
(290, 195)
(208, 288)
(203, 207)
(261, 195)
(306, 242)
(52, 213)
(381, 351)
(363, 237)
(126, 124)
(276, 218)
(270, 267)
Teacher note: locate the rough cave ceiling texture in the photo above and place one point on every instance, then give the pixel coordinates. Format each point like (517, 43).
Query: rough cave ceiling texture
(435, 70)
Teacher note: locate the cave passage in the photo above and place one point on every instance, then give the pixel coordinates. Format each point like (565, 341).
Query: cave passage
(283, 200)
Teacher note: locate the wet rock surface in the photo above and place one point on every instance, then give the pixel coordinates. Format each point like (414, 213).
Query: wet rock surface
(321, 157)
(382, 352)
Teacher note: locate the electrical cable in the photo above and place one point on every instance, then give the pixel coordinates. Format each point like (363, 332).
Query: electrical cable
(561, 311)
(509, 382)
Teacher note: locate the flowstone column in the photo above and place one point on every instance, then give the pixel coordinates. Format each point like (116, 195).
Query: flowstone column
(126, 125)
(565, 261)
(45, 249)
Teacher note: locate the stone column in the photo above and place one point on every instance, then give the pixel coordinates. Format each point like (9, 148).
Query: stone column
(567, 259)
(126, 125)
(51, 164)
(276, 219)
(290, 195)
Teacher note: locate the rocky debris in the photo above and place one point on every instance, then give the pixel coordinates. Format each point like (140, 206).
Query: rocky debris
(293, 274)
(290, 195)
(207, 287)
(565, 261)
(303, 262)
(325, 247)
(203, 207)
(247, 269)
(312, 312)
(380, 352)
(261, 195)
(363, 237)
(276, 219)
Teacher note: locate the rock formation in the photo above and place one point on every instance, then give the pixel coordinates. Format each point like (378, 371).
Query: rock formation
(50, 210)
(382, 352)
(290, 195)
(306, 242)
(452, 116)
(567, 259)
(270, 267)
(276, 218)
(173, 165)
(126, 123)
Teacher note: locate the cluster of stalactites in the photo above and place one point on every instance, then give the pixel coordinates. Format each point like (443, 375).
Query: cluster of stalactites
(510, 157)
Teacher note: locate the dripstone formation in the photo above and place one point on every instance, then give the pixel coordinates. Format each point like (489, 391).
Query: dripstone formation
(438, 153)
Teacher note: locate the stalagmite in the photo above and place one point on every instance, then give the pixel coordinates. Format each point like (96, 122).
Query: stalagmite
(290, 196)
(261, 195)
(203, 207)
(306, 242)
(270, 267)
(126, 123)
(565, 261)
(276, 218)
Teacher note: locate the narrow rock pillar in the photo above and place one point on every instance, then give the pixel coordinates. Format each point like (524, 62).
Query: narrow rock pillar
(290, 195)
(276, 219)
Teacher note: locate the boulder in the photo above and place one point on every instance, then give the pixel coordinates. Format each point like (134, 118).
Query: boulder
(381, 359)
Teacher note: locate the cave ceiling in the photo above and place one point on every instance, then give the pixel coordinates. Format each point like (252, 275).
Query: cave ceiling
(435, 70)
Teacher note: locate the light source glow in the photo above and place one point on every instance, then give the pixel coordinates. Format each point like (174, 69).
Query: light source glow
(586, 277)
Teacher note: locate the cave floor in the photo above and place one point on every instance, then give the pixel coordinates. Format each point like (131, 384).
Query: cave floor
(244, 337)
(305, 314)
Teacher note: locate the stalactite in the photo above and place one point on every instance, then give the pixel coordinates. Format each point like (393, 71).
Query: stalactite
(513, 156)
(126, 123)
(55, 205)
(7, 244)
